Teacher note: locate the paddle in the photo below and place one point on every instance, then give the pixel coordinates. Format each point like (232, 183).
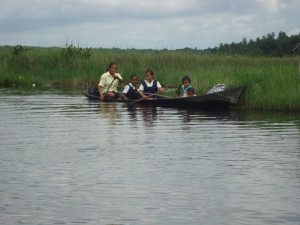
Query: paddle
(148, 96)
(109, 87)
(164, 96)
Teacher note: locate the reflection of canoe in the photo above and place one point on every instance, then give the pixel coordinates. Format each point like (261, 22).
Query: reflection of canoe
(217, 100)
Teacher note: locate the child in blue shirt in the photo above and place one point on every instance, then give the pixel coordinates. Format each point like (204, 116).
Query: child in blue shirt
(184, 86)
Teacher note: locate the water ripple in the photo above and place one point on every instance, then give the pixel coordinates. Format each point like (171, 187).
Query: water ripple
(65, 160)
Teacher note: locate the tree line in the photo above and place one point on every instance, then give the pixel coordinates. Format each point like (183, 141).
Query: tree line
(268, 45)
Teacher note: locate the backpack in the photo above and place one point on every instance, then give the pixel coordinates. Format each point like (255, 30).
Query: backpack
(93, 91)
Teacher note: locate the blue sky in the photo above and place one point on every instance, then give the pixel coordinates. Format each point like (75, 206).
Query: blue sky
(143, 24)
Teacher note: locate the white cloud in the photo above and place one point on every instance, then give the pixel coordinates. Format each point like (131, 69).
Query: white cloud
(273, 6)
(143, 24)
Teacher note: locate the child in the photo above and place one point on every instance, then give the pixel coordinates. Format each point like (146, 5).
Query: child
(190, 92)
(130, 90)
(149, 86)
(184, 86)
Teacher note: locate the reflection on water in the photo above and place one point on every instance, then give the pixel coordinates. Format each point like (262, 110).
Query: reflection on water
(149, 114)
(110, 110)
(65, 160)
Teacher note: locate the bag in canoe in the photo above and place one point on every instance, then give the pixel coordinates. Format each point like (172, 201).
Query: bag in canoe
(93, 91)
(217, 88)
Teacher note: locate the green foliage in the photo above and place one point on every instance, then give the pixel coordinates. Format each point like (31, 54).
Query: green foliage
(22, 58)
(268, 45)
(272, 82)
(72, 55)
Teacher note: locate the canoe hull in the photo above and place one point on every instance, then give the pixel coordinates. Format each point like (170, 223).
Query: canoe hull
(217, 100)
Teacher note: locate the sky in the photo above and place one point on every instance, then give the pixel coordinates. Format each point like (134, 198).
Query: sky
(144, 24)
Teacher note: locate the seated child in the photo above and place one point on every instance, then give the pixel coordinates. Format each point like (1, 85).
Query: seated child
(130, 90)
(150, 86)
(185, 84)
(190, 92)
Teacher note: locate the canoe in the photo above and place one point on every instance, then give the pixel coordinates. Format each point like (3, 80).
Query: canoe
(217, 100)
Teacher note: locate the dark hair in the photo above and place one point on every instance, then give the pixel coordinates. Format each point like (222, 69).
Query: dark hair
(150, 71)
(186, 78)
(191, 89)
(132, 76)
(110, 65)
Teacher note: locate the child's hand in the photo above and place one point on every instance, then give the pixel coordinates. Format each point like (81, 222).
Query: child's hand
(161, 90)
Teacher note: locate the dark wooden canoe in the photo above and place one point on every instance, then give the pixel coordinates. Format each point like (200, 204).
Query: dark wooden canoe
(217, 100)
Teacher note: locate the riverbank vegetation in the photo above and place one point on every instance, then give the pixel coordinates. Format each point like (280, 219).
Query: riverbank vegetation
(273, 83)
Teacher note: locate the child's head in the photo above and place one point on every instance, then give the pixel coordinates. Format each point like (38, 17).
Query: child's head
(186, 81)
(190, 91)
(133, 79)
(149, 75)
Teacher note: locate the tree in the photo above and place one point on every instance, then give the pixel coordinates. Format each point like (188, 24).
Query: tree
(267, 45)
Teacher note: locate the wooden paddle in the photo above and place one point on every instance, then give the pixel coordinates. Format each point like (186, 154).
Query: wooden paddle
(165, 96)
(148, 96)
(109, 87)
(106, 90)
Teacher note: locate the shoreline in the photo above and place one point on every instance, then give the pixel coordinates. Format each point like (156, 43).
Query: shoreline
(272, 82)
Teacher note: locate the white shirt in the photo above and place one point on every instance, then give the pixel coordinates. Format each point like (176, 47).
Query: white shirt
(107, 81)
(141, 88)
(127, 88)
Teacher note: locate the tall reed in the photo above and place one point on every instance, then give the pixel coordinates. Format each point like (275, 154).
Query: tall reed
(272, 83)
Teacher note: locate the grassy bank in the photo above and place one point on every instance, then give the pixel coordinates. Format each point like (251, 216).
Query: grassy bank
(272, 83)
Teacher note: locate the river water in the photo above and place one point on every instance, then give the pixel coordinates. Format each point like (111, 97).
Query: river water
(66, 160)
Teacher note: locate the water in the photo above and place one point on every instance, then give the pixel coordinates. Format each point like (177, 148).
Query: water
(65, 160)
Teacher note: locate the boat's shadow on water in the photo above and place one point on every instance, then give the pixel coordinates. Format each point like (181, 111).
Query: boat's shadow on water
(190, 115)
(113, 110)
(150, 114)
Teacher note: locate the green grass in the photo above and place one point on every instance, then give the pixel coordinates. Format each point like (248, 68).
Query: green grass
(272, 83)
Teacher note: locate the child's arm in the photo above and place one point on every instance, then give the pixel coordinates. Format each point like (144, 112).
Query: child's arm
(125, 91)
(124, 97)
